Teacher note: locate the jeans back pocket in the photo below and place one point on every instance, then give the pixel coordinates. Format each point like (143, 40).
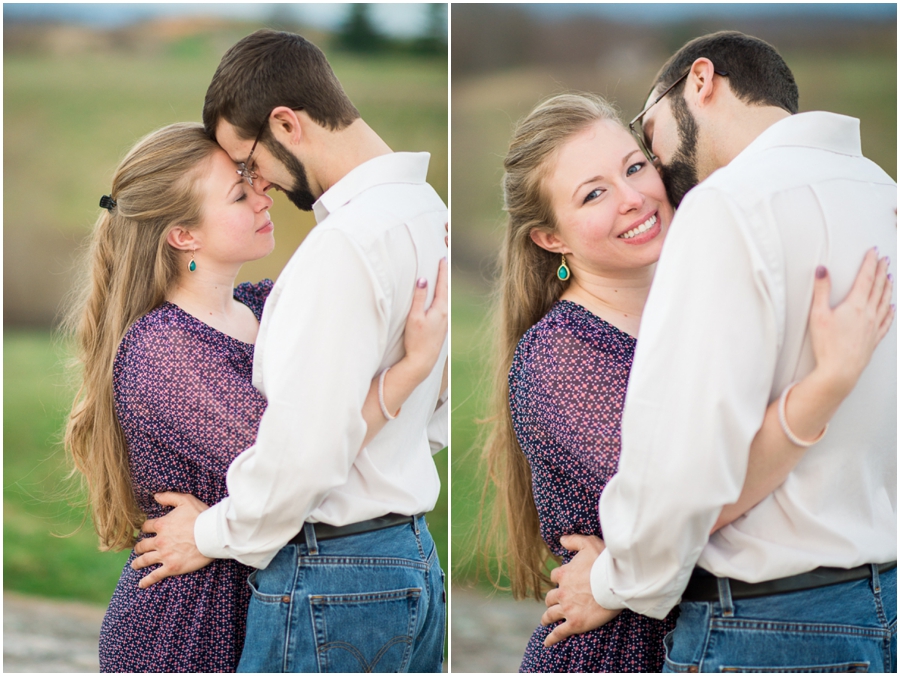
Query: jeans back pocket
(368, 632)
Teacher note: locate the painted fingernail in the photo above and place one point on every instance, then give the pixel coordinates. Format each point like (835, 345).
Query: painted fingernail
(821, 272)
(887, 259)
(421, 282)
(890, 278)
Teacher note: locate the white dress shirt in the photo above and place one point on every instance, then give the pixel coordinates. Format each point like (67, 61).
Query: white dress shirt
(333, 321)
(723, 333)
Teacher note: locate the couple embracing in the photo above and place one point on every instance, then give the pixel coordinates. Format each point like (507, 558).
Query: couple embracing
(281, 431)
(697, 411)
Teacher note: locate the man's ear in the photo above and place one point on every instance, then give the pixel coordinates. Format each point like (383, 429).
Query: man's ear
(182, 239)
(700, 85)
(285, 125)
(549, 240)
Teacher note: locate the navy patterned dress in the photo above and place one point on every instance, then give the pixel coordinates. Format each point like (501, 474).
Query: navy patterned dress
(566, 393)
(185, 400)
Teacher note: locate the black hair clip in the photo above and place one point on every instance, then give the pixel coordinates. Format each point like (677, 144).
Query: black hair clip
(107, 203)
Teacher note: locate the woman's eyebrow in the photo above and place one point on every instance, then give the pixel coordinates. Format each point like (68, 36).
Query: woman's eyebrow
(584, 183)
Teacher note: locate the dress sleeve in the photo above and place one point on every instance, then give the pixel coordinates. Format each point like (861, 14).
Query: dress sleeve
(254, 295)
(566, 403)
(169, 386)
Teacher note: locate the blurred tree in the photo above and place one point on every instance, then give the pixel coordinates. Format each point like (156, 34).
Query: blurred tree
(282, 18)
(434, 41)
(358, 34)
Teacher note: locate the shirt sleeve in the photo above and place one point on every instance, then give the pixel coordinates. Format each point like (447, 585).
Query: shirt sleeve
(323, 345)
(697, 394)
(438, 433)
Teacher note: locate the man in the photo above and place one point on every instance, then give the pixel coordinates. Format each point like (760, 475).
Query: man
(358, 586)
(806, 580)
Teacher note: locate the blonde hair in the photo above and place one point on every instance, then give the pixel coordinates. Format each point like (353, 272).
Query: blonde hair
(129, 268)
(527, 289)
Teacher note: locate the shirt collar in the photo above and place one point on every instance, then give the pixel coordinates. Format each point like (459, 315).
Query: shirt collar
(826, 131)
(390, 168)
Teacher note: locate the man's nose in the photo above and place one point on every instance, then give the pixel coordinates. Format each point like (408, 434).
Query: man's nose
(261, 185)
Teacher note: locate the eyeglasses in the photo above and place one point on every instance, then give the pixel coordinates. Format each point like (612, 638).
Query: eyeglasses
(244, 170)
(635, 125)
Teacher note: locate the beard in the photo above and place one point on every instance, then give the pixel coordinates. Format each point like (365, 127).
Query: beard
(680, 175)
(299, 193)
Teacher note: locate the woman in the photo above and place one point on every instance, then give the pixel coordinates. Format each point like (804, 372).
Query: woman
(167, 401)
(588, 215)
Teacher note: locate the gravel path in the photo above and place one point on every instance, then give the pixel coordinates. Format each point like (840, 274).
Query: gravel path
(488, 632)
(40, 635)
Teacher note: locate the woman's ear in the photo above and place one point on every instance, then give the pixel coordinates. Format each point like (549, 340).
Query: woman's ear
(549, 240)
(182, 239)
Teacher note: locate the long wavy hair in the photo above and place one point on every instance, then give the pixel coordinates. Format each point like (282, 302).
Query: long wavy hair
(128, 270)
(527, 289)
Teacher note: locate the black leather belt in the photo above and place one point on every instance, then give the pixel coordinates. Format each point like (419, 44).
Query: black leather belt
(704, 586)
(325, 531)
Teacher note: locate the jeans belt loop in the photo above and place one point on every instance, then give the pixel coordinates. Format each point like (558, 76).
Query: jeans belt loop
(725, 597)
(415, 525)
(312, 546)
(876, 578)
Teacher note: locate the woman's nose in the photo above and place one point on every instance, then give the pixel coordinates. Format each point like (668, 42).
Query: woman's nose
(631, 198)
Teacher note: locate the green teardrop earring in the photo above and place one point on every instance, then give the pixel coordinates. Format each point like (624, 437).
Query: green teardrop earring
(192, 265)
(563, 271)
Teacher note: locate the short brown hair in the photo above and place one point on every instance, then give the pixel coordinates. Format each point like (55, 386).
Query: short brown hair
(756, 72)
(269, 69)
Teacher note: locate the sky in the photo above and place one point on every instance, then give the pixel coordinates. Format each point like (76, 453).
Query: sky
(644, 12)
(410, 19)
(396, 19)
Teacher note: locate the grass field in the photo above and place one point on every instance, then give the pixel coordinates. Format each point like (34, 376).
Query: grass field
(37, 501)
(469, 383)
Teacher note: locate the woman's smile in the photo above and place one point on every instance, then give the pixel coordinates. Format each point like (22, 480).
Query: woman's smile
(646, 230)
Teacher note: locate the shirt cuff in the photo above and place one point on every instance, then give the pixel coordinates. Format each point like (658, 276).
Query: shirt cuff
(208, 538)
(600, 584)
(206, 534)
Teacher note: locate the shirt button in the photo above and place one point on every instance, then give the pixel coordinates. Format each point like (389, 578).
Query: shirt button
(285, 599)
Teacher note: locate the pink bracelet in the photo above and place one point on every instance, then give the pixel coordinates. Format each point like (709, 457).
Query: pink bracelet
(794, 439)
(384, 411)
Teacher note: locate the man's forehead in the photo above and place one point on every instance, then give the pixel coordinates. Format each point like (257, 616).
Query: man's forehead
(651, 97)
(227, 137)
(225, 131)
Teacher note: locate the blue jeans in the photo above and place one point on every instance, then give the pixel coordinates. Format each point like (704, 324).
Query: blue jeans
(368, 602)
(848, 627)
